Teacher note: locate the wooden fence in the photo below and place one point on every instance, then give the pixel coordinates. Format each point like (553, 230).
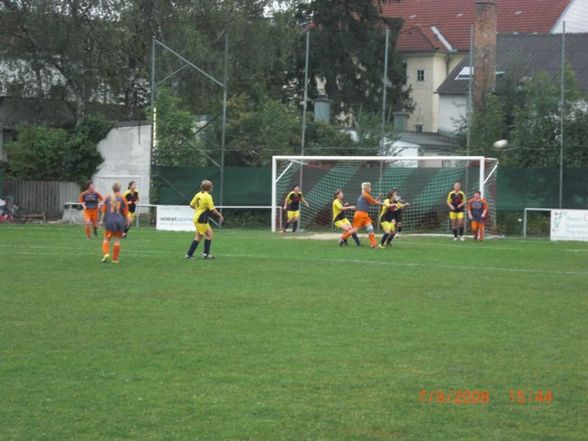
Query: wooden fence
(42, 196)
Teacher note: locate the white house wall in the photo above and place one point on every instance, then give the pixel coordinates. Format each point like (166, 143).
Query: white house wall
(575, 16)
(127, 157)
(436, 67)
(452, 112)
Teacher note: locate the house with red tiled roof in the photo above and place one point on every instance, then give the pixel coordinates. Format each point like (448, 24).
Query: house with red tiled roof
(436, 37)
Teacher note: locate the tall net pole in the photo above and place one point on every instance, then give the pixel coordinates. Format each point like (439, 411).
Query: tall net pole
(305, 99)
(383, 127)
(562, 112)
(384, 94)
(224, 123)
(304, 107)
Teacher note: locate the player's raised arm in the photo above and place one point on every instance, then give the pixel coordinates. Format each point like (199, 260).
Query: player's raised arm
(371, 200)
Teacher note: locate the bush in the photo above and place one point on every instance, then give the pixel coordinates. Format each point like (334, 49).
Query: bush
(51, 154)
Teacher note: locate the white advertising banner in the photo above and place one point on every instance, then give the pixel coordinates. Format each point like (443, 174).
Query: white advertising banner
(569, 225)
(175, 218)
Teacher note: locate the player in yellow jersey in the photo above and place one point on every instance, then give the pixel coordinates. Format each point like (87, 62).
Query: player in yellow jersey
(401, 205)
(292, 207)
(456, 201)
(339, 219)
(132, 197)
(204, 207)
(388, 217)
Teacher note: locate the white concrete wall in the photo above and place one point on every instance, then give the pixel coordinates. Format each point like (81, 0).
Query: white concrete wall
(575, 16)
(452, 112)
(127, 157)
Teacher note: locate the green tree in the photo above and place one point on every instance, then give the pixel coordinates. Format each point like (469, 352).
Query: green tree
(527, 113)
(51, 154)
(260, 128)
(38, 154)
(347, 52)
(535, 135)
(77, 42)
(176, 140)
(488, 126)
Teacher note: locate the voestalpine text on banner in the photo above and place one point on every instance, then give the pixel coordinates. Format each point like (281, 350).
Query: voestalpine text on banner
(569, 225)
(175, 218)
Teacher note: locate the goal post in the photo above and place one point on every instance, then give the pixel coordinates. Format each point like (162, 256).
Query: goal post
(424, 181)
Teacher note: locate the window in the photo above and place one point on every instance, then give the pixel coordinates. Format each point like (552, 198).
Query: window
(420, 74)
(405, 70)
(418, 128)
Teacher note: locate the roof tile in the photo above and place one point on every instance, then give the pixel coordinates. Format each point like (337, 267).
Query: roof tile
(454, 17)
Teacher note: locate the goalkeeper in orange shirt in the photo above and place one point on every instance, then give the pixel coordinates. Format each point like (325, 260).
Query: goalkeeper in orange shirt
(477, 213)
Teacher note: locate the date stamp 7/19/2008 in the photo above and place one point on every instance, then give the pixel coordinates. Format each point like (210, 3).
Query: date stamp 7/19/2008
(517, 395)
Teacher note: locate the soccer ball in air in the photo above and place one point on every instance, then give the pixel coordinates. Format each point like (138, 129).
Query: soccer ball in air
(500, 144)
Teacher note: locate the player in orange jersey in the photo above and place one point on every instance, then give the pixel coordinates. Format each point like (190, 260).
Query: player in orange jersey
(115, 217)
(361, 219)
(91, 200)
(477, 213)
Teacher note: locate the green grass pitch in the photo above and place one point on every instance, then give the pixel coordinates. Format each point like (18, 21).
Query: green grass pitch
(281, 339)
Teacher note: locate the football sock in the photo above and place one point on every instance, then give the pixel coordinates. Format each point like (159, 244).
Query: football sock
(461, 231)
(399, 229)
(372, 238)
(193, 247)
(481, 232)
(286, 226)
(294, 226)
(390, 238)
(207, 246)
(95, 231)
(355, 238)
(116, 251)
(88, 231)
(454, 232)
(105, 247)
(345, 236)
(384, 238)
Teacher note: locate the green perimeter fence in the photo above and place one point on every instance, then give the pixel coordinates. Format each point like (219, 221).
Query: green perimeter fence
(517, 188)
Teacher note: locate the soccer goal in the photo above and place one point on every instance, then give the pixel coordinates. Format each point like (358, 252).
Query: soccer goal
(424, 181)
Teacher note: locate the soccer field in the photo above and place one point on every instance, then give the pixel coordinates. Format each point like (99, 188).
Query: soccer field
(286, 339)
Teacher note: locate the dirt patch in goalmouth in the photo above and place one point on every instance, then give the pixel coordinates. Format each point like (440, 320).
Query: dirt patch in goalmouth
(312, 236)
(336, 236)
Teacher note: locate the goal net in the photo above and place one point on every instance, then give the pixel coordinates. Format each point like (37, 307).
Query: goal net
(424, 181)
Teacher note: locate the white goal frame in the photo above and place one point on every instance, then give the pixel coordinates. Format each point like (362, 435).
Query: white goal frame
(275, 178)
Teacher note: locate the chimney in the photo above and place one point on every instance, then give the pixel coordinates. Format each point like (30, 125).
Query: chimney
(484, 52)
